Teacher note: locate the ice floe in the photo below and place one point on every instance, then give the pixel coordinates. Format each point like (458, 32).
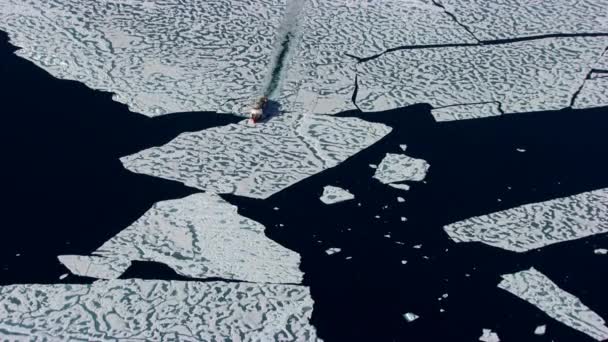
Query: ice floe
(410, 317)
(514, 18)
(257, 161)
(601, 251)
(334, 194)
(535, 288)
(158, 57)
(540, 330)
(524, 76)
(199, 236)
(594, 92)
(466, 111)
(333, 250)
(487, 335)
(537, 225)
(153, 310)
(399, 168)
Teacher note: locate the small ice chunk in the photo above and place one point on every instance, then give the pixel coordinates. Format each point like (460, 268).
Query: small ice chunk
(63, 276)
(540, 330)
(403, 147)
(276, 208)
(400, 186)
(417, 246)
(373, 166)
(387, 235)
(333, 250)
(488, 335)
(521, 150)
(400, 167)
(400, 199)
(410, 317)
(348, 257)
(445, 295)
(334, 194)
(601, 251)
(403, 219)
(403, 262)
(377, 216)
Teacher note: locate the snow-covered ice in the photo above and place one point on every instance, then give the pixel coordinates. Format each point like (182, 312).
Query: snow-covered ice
(334, 194)
(540, 330)
(594, 92)
(537, 225)
(535, 288)
(154, 310)
(400, 167)
(601, 251)
(333, 250)
(487, 335)
(410, 317)
(466, 111)
(198, 236)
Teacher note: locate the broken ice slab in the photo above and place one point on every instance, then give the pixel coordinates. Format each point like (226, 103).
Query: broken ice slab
(399, 168)
(334, 194)
(601, 251)
(524, 77)
(199, 236)
(535, 288)
(158, 57)
(466, 111)
(154, 310)
(257, 161)
(537, 225)
(540, 330)
(487, 335)
(400, 186)
(410, 317)
(514, 18)
(594, 92)
(333, 250)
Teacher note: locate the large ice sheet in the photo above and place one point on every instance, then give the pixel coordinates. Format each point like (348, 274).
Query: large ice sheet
(399, 167)
(539, 224)
(535, 288)
(594, 92)
(517, 18)
(152, 310)
(258, 161)
(526, 76)
(466, 111)
(157, 56)
(199, 236)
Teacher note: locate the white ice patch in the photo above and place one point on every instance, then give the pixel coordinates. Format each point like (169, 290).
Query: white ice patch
(410, 317)
(537, 225)
(199, 236)
(601, 251)
(400, 186)
(466, 111)
(333, 250)
(535, 288)
(524, 77)
(158, 57)
(257, 161)
(153, 310)
(540, 330)
(487, 335)
(514, 18)
(399, 168)
(594, 93)
(333, 194)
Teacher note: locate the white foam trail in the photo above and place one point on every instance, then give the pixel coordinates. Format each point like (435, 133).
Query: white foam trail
(288, 36)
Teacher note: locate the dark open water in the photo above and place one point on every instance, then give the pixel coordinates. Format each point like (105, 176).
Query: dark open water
(65, 191)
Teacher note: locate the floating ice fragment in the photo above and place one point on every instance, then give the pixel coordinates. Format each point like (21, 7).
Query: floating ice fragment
(537, 225)
(488, 335)
(403, 262)
(151, 310)
(403, 147)
(410, 317)
(521, 150)
(333, 250)
(400, 186)
(400, 167)
(400, 199)
(199, 236)
(373, 166)
(63, 276)
(334, 194)
(535, 288)
(540, 330)
(601, 251)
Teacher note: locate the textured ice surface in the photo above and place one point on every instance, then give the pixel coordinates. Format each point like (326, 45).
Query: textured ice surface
(152, 310)
(257, 161)
(516, 18)
(523, 77)
(594, 92)
(536, 225)
(399, 167)
(466, 111)
(198, 236)
(157, 56)
(333, 194)
(487, 335)
(535, 288)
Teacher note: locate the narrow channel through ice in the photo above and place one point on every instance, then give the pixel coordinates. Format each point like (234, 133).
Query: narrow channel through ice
(538, 290)
(154, 310)
(199, 236)
(537, 225)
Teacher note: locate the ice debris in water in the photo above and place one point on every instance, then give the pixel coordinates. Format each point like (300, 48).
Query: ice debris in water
(334, 194)
(487, 335)
(601, 251)
(400, 199)
(540, 330)
(155, 310)
(410, 317)
(535, 288)
(199, 236)
(537, 225)
(399, 168)
(400, 186)
(333, 250)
